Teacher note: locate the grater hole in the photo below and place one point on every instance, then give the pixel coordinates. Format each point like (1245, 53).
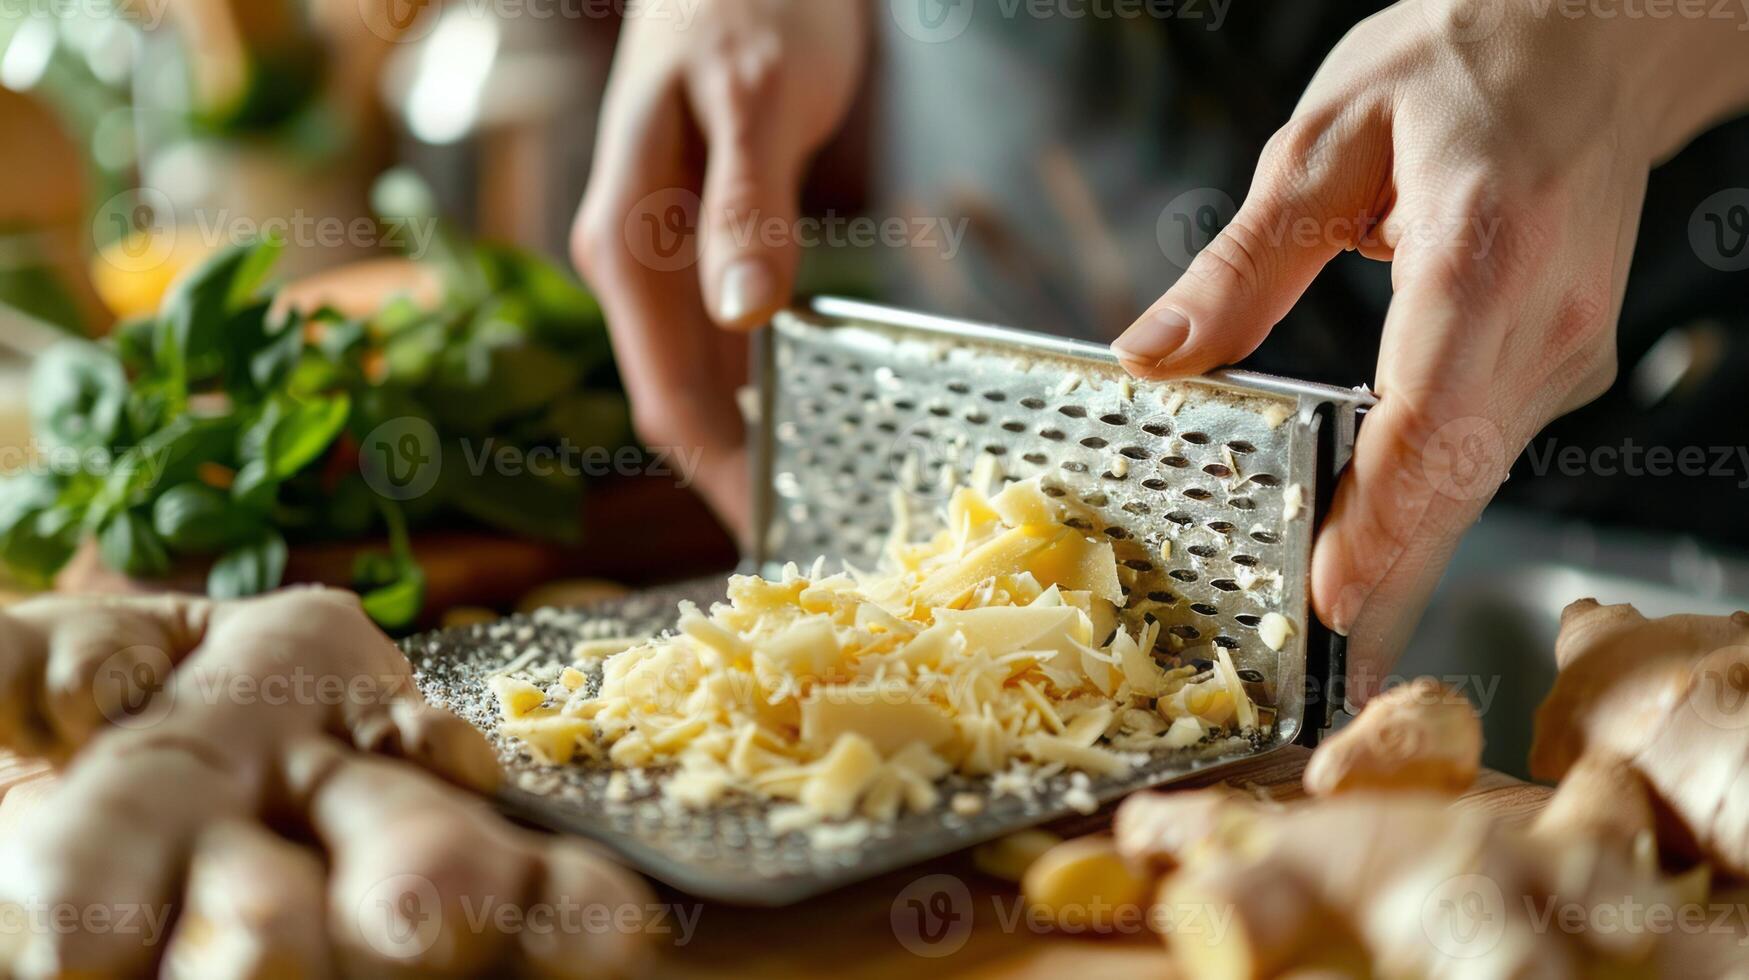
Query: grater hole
(1226, 643)
(905, 405)
(959, 387)
(1176, 462)
(1241, 447)
(1056, 492)
(940, 411)
(1225, 585)
(1155, 484)
(1251, 675)
(1248, 620)
(1218, 471)
(889, 428)
(1220, 527)
(838, 388)
(1265, 537)
(1054, 435)
(1074, 467)
(1249, 561)
(1157, 430)
(1095, 499)
(1140, 564)
(1243, 503)
(1183, 574)
(1164, 598)
(1114, 419)
(1204, 609)
(1036, 459)
(1094, 442)
(1185, 632)
(1079, 524)
(995, 396)
(1072, 411)
(1196, 438)
(1117, 533)
(1013, 426)
(1137, 508)
(1197, 493)
(1180, 518)
(977, 418)
(1033, 403)
(996, 450)
(1265, 480)
(1202, 551)
(1200, 665)
(1133, 452)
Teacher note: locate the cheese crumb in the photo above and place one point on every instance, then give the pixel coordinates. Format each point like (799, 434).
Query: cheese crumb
(1275, 629)
(1293, 501)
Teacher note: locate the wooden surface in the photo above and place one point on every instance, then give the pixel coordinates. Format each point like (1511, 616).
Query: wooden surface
(872, 930)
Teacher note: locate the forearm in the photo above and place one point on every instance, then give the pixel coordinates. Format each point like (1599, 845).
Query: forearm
(1695, 68)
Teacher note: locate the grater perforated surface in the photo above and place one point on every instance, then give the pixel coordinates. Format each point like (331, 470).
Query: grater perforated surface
(1207, 490)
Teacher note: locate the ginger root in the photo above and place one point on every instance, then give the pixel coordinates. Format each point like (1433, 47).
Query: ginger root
(1083, 885)
(1421, 735)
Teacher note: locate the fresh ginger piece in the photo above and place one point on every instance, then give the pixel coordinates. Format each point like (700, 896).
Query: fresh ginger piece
(1158, 831)
(1008, 858)
(1083, 885)
(1244, 921)
(1417, 736)
(1602, 797)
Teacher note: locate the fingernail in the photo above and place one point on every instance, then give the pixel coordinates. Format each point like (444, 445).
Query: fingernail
(1154, 337)
(748, 288)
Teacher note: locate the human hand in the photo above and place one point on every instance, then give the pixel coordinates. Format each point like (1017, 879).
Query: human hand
(731, 105)
(1497, 158)
(228, 779)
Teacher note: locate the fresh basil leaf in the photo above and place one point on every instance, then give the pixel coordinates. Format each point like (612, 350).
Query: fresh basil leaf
(274, 362)
(189, 344)
(396, 605)
(194, 518)
(133, 343)
(301, 435)
(251, 274)
(78, 396)
(38, 531)
(249, 569)
(127, 543)
(255, 487)
(170, 456)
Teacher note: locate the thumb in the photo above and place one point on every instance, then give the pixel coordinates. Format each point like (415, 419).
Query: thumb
(748, 249)
(1312, 196)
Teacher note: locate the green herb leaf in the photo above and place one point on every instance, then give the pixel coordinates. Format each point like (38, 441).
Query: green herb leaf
(249, 569)
(190, 339)
(127, 543)
(300, 436)
(78, 395)
(194, 518)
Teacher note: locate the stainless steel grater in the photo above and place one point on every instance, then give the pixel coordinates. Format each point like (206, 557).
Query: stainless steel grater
(1209, 490)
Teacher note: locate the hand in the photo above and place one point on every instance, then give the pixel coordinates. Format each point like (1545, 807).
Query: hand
(1498, 160)
(758, 85)
(239, 794)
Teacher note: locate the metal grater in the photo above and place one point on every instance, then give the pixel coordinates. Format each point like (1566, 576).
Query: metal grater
(859, 402)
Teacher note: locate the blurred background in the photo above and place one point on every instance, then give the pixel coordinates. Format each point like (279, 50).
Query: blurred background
(414, 167)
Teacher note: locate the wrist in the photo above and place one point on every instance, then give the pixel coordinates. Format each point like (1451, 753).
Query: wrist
(1684, 74)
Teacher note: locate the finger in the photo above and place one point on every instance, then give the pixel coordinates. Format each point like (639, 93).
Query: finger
(1315, 192)
(747, 242)
(252, 907)
(1428, 458)
(420, 874)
